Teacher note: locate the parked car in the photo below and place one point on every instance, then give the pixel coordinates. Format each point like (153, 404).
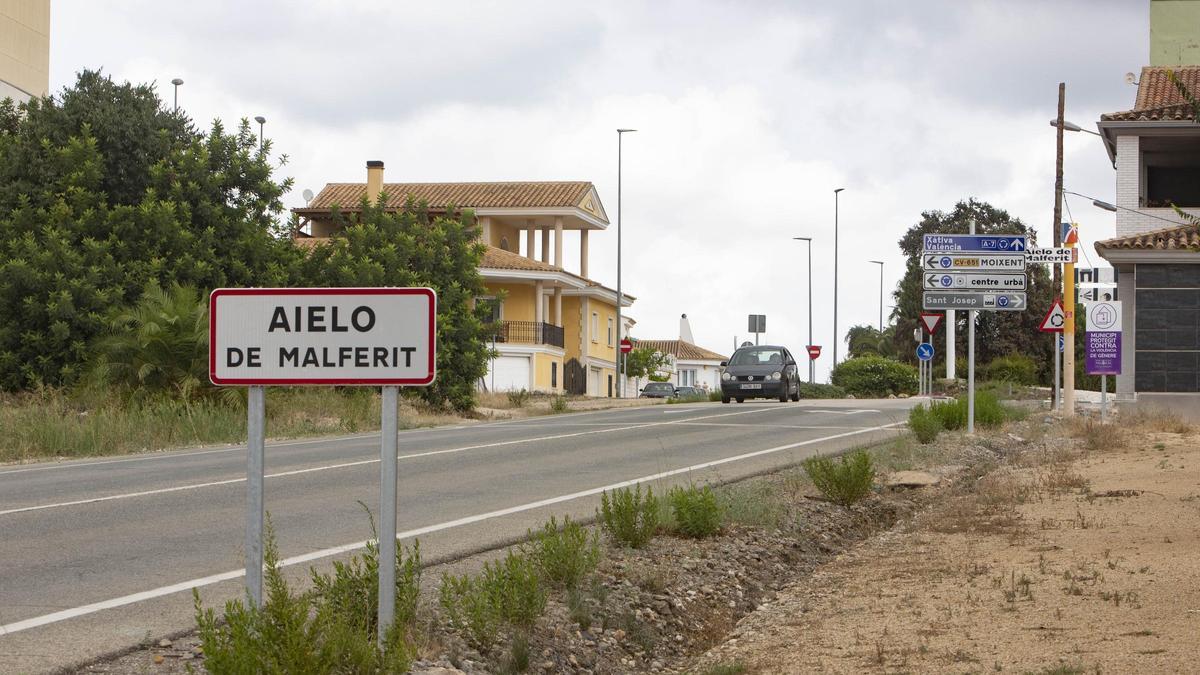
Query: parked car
(658, 390)
(689, 392)
(767, 371)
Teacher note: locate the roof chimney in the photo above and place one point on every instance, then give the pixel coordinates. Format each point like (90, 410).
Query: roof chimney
(685, 330)
(374, 179)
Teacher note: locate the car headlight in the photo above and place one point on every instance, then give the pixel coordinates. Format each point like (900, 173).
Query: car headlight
(776, 375)
(726, 377)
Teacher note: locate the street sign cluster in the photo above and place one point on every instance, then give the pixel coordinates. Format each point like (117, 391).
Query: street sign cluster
(967, 271)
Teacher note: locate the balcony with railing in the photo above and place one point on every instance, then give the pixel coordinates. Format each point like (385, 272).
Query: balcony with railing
(530, 333)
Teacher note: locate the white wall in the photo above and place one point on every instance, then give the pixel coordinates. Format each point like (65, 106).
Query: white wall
(1129, 190)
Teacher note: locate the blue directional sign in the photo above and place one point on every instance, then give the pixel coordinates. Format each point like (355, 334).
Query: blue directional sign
(1062, 343)
(980, 243)
(925, 351)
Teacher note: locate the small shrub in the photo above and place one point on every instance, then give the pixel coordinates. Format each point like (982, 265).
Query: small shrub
(873, 376)
(518, 398)
(578, 609)
(629, 517)
(714, 395)
(844, 481)
(924, 424)
(506, 591)
(988, 411)
(695, 511)
(951, 415)
(1014, 368)
(819, 390)
(753, 503)
(563, 556)
(558, 404)
(353, 589)
(518, 654)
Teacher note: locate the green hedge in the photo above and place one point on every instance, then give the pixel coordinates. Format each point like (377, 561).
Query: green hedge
(873, 376)
(818, 390)
(1015, 368)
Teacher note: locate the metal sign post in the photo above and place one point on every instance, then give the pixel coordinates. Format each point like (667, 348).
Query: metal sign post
(323, 336)
(1102, 346)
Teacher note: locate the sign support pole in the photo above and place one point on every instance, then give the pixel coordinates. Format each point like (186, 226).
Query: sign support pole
(387, 513)
(971, 364)
(1069, 337)
(255, 439)
(1103, 399)
(950, 317)
(1057, 373)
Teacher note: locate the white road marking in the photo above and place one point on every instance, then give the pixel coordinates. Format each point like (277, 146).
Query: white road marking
(343, 465)
(161, 591)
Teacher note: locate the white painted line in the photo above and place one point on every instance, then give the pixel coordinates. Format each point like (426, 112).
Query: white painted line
(161, 591)
(343, 465)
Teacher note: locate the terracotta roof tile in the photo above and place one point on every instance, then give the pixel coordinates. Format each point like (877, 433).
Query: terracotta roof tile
(1178, 238)
(1158, 98)
(499, 259)
(682, 350)
(523, 194)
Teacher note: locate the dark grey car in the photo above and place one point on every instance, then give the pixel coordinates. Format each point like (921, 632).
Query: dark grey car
(658, 390)
(767, 371)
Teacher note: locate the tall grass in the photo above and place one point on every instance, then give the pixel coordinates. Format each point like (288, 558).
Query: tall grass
(53, 423)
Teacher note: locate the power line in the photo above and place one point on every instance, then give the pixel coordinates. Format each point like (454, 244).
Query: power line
(1125, 208)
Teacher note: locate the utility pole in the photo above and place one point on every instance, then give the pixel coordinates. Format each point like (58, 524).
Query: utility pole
(1057, 231)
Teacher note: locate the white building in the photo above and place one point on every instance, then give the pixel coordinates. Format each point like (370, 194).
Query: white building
(689, 365)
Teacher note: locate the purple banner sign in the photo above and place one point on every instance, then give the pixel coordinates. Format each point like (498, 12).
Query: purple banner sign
(1102, 353)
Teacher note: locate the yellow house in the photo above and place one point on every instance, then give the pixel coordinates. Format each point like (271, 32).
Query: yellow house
(24, 49)
(558, 329)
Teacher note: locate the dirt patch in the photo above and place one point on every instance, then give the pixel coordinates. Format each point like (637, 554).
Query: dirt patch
(1077, 552)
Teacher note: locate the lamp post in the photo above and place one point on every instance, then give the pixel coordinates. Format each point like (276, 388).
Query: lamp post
(811, 362)
(619, 356)
(880, 263)
(261, 121)
(177, 81)
(1071, 126)
(835, 275)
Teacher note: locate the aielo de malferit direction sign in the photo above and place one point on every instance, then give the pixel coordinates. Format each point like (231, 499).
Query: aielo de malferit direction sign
(323, 336)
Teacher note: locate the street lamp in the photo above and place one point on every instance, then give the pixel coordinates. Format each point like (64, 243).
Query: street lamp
(1070, 126)
(835, 274)
(177, 82)
(811, 362)
(880, 263)
(619, 355)
(261, 121)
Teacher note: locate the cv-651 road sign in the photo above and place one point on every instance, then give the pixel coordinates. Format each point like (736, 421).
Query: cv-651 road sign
(966, 262)
(974, 281)
(974, 300)
(986, 243)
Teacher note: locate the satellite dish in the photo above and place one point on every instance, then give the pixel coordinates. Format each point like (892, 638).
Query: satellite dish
(1130, 78)
(307, 194)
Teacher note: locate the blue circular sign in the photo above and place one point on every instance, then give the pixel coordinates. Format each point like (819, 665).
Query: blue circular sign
(946, 281)
(946, 261)
(1002, 301)
(925, 351)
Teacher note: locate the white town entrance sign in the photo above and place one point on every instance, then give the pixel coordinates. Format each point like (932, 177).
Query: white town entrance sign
(342, 336)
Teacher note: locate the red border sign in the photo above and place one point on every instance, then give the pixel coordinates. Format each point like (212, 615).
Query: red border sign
(1055, 312)
(931, 321)
(814, 352)
(431, 369)
(626, 346)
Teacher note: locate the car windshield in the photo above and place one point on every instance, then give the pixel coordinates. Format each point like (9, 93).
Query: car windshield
(757, 356)
(659, 387)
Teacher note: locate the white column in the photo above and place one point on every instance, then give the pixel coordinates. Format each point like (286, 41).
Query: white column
(485, 229)
(950, 344)
(558, 306)
(558, 235)
(538, 316)
(545, 245)
(529, 244)
(583, 253)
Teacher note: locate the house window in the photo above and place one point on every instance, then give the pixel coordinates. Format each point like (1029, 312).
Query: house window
(1170, 172)
(595, 327)
(492, 307)
(610, 332)
(554, 374)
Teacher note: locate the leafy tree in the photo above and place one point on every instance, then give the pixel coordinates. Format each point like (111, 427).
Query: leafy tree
(410, 247)
(644, 362)
(863, 340)
(104, 193)
(997, 333)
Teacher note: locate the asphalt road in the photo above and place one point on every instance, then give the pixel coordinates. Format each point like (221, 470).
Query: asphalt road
(98, 555)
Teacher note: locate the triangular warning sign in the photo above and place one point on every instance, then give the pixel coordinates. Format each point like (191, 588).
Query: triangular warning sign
(931, 321)
(1054, 320)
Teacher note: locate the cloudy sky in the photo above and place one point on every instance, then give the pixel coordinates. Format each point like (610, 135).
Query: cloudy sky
(749, 114)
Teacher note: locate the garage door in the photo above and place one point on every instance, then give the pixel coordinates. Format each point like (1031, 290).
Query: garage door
(511, 373)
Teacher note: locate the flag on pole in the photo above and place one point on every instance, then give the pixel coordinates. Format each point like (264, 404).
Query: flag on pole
(1070, 234)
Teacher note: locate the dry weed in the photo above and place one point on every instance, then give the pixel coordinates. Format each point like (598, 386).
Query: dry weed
(1156, 419)
(1098, 437)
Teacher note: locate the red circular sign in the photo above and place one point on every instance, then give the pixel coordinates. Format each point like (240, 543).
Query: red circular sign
(814, 351)
(626, 346)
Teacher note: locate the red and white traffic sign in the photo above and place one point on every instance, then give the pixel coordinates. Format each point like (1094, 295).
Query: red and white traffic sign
(931, 321)
(1054, 320)
(626, 346)
(343, 336)
(814, 352)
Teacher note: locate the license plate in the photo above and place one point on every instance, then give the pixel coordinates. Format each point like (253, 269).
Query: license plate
(751, 386)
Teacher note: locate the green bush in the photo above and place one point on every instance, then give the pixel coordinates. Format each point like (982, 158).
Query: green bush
(629, 517)
(695, 511)
(353, 590)
(715, 394)
(819, 390)
(518, 398)
(988, 411)
(924, 424)
(507, 591)
(844, 481)
(563, 556)
(951, 415)
(558, 404)
(295, 633)
(1014, 368)
(873, 376)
